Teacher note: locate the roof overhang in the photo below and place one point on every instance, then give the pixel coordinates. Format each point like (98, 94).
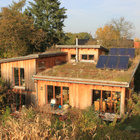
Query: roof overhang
(80, 81)
(82, 46)
(87, 81)
(33, 56)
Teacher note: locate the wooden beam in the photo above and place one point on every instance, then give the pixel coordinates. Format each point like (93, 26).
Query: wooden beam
(61, 95)
(101, 100)
(19, 76)
(46, 93)
(111, 102)
(54, 92)
(122, 103)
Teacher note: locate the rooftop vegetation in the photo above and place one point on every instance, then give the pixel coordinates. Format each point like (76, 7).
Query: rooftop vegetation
(87, 70)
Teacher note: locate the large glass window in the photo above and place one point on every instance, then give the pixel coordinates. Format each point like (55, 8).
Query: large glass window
(19, 79)
(54, 92)
(50, 93)
(65, 95)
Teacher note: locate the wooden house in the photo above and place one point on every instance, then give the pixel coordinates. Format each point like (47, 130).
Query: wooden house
(81, 85)
(19, 71)
(83, 53)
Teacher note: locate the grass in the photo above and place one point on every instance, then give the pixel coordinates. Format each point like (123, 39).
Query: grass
(80, 124)
(89, 71)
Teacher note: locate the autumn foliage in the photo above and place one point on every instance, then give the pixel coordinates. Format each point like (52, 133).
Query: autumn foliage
(18, 36)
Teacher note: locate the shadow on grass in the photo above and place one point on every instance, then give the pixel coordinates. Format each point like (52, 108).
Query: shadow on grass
(131, 124)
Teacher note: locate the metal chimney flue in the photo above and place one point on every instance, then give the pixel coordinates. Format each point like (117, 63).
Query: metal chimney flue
(76, 48)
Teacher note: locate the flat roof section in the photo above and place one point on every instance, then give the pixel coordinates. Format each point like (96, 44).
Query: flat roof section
(89, 71)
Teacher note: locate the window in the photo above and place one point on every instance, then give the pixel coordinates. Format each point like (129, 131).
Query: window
(91, 57)
(61, 94)
(19, 100)
(73, 56)
(87, 57)
(84, 57)
(19, 79)
(41, 65)
(65, 95)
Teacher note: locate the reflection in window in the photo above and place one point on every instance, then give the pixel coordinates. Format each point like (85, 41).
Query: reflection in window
(84, 57)
(19, 79)
(91, 57)
(50, 93)
(41, 65)
(65, 95)
(87, 57)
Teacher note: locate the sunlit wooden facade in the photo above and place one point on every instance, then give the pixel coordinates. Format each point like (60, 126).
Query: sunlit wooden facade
(19, 71)
(82, 92)
(83, 53)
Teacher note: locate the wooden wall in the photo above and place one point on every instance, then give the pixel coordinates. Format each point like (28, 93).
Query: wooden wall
(69, 51)
(50, 62)
(80, 95)
(29, 70)
(88, 51)
(95, 52)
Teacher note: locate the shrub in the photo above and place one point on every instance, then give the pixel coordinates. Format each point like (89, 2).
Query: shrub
(6, 95)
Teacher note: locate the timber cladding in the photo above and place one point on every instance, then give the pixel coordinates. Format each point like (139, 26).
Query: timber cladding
(29, 70)
(49, 62)
(80, 95)
(82, 51)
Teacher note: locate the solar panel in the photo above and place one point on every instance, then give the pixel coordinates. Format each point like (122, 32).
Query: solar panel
(102, 61)
(130, 52)
(113, 51)
(123, 62)
(122, 51)
(112, 62)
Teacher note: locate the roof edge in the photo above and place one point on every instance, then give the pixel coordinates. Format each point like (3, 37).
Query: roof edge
(134, 71)
(81, 81)
(31, 56)
(82, 46)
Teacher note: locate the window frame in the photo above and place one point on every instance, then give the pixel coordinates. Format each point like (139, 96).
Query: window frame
(73, 58)
(20, 84)
(41, 65)
(87, 56)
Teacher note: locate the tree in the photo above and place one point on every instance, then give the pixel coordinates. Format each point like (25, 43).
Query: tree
(50, 17)
(115, 33)
(105, 35)
(122, 27)
(18, 36)
(71, 37)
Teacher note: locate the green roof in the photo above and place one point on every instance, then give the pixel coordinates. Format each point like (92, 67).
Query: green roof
(88, 70)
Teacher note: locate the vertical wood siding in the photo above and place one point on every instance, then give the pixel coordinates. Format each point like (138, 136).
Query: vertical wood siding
(79, 94)
(50, 61)
(29, 70)
(95, 52)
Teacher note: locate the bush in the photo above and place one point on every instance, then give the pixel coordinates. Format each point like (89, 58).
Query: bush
(6, 95)
(6, 114)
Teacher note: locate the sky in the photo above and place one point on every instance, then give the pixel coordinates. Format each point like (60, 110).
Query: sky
(88, 15)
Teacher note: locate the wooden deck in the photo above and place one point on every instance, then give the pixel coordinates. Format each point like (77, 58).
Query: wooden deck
(109, 116)
(48, 109)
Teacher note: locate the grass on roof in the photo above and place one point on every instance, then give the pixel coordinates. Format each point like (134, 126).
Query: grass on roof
(87, 70)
